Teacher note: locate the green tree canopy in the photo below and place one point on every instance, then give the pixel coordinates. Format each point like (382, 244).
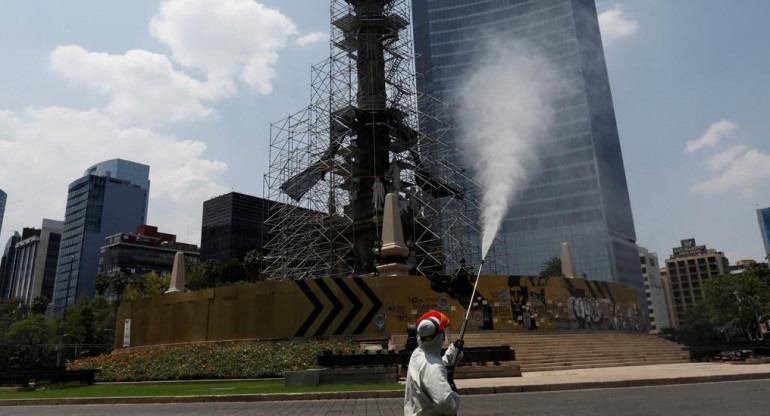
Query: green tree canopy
(39, 305)
(31, 339)
(551, 267)
(733, 298)
(101, 284)
(252, 266)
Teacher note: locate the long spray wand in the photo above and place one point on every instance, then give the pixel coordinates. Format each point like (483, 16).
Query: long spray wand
(451, 367)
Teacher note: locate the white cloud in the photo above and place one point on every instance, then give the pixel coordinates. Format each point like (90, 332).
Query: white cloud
(743, 173)
(311, 38)
(736, 168)
(143, 86)
(723, 160)
(224, 38)
(43, 150)
(715, 133)
(616, 24)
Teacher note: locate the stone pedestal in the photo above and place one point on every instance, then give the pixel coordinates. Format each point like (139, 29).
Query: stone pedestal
(394, 250)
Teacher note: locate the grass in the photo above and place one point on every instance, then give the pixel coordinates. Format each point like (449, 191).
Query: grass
(185, 389)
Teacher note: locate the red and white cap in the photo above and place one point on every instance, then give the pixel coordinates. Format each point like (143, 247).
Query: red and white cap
(431, 324)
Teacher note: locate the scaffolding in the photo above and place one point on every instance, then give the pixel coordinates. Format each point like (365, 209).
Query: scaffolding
(368, 127)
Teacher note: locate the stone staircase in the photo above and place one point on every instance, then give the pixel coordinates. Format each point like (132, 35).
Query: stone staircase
(564, 350)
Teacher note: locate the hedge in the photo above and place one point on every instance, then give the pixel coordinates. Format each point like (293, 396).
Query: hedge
(222, 360)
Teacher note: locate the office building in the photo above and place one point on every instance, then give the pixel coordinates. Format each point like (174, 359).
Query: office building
(142, 252)
(763, 215)
(655, 291)
(688, 268)
(740, 266)
(35, 264)
(3, 199)
(669, 298)
(579, 193)
(6, 265)
(233, 224)
(110, 198)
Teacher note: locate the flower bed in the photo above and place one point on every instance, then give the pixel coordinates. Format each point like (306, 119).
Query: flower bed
(257, 359)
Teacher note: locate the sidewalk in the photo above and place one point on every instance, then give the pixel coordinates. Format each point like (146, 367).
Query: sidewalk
(632, 376)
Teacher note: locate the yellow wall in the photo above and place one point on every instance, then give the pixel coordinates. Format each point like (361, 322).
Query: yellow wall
(375, 307)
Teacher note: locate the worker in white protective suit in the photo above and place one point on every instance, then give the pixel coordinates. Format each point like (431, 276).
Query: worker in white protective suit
(428, 391)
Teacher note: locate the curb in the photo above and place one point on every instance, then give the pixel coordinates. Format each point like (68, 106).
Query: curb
(378, 394)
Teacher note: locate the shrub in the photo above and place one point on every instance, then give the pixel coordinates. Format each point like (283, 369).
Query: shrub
(243, 359)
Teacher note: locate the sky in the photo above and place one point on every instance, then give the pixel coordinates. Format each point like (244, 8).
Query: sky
(190, 88)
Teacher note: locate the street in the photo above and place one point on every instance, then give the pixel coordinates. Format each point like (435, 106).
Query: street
(718, 399)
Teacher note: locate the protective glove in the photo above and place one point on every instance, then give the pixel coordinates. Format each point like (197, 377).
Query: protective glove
(453, 355)
(459, 344)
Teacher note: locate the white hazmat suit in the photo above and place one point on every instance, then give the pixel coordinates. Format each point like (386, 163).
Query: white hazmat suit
(427, 387)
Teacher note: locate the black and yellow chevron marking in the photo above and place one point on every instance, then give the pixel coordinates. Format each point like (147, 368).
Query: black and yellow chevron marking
(329, 303)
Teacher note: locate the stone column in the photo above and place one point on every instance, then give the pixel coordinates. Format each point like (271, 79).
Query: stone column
(178, 282)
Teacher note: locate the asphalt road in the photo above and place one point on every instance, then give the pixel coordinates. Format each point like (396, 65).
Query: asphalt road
(707, 399)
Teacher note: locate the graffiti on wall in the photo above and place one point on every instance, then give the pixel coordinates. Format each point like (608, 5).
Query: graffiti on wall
(532, 302)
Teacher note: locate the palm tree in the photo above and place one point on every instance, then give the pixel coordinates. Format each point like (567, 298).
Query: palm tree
(101, 283)
(119, 283)
(551, 267)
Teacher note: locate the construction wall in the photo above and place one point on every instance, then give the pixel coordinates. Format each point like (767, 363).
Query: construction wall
(374, 307)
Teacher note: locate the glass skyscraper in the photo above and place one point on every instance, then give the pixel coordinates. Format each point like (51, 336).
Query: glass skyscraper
(763, 215)
(579, 193)
(3, 198)
(110, 198)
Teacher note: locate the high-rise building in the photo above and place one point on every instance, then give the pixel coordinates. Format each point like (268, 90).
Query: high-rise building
(110, 198)
(655, 291)
(688, 267)
(669, 298)
(142, 252)
(35, 265)
(233, 224)
(6, 265)
(763, 215)
(579, 194)
(3, 199)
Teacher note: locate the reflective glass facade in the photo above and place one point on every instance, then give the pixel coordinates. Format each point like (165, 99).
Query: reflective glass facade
(579, 194)
(3, 198)
(763, 215)
(97, 207)
(233, 224)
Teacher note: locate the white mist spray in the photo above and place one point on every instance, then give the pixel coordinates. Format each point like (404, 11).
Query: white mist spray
(506, 107)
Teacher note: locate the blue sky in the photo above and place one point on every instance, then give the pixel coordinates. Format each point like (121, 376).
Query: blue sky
(190, 87)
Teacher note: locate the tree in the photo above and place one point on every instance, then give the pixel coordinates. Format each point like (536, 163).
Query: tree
(551, 267)
(11, 310)
(31, 339)
(119, 282)
(698, 327)
(155, 284)
(733, 298)
(230, 272)
(39, 305)
(252, 265)
(204, 275)
(102, 283)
